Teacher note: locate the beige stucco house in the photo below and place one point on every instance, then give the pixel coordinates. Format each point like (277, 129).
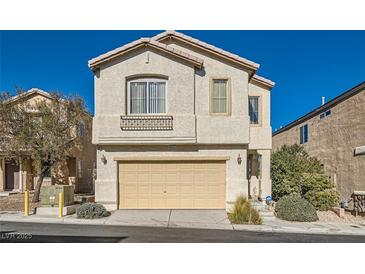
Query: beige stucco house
(18, 176)
(334, 133)
(179, 123)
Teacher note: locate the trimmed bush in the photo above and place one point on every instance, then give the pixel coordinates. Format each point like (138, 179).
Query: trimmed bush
(295, 208)
(294, 172)
(92, 211)
(244, 213)
(323, 200)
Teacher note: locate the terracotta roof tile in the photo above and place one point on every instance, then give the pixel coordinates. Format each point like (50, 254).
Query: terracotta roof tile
(148, 41)
(235, 57)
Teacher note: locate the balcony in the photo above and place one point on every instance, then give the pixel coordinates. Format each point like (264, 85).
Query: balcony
(146, 123)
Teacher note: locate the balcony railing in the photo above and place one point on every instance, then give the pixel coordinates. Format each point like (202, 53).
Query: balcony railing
(146, 123)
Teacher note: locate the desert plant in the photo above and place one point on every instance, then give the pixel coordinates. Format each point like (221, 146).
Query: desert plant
(287, 166)
(243, 212)
(294, 172)
(295, 208)
(92, 211)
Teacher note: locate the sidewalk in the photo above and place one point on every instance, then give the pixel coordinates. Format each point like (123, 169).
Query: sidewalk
(272, 225)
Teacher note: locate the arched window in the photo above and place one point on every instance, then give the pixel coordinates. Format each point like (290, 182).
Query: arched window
(147, 96)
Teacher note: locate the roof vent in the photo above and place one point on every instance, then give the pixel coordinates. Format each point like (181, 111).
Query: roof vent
(323, 100)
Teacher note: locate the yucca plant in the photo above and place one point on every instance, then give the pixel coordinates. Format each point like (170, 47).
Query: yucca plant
(244, 213)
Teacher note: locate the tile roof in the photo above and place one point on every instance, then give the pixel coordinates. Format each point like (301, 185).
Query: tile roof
(30, 92)
(263, 81)
(252, 65)
(93, 63)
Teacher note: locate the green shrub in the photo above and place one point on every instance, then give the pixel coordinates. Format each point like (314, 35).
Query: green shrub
(91, 211)
(294, 172)
(244, 213)
(323, 200)
(295, 208)
(287, 166)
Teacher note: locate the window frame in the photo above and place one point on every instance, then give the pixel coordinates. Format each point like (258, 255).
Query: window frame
(229, 98)
(302, 139)
(259, 118)
(146, 80)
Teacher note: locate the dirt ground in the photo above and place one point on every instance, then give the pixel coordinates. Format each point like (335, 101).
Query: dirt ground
(15, 202)
(330, 216)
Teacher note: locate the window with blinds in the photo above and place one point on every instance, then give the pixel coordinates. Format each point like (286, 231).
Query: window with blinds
(147, 96)
(219, 97)
(254, 109)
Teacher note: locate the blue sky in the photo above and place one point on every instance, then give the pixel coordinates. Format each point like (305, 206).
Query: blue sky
(305, 65)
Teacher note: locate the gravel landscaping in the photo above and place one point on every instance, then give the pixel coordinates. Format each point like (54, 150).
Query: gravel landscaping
(331, 217)
(15, 202)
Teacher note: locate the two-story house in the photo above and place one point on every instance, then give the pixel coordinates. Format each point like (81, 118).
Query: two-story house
(179, 124)
(18, 176)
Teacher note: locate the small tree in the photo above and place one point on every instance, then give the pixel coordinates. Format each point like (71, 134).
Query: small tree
(294, 172)
(46, 130)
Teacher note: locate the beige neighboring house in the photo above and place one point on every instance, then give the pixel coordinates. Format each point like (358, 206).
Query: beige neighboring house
(19, 175)
(335, 133)
(179, 124)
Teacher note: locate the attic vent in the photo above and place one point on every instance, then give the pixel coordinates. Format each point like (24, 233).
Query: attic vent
(325, 114)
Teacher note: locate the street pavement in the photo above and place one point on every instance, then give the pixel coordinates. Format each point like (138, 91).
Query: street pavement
(73, 233)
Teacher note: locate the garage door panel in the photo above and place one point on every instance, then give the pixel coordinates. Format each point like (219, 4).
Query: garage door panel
(172, 184)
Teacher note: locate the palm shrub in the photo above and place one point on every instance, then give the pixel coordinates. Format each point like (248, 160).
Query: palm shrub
(295, 208)
(244, 213)
(91, 211)
(293, 171)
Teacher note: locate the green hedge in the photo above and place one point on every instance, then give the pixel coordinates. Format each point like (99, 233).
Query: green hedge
(295, 208)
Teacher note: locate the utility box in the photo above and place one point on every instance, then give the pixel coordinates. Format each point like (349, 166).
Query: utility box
(49, 195)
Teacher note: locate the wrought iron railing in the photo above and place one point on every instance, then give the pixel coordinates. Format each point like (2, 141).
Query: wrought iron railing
(146, 122)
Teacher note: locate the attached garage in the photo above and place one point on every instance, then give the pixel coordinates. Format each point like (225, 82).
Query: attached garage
(172, 184)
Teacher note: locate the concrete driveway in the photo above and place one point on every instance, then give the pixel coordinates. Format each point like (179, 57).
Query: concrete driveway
(213, 219)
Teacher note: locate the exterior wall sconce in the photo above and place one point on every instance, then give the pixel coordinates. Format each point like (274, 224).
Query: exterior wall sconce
(239, 159)
(103, 159)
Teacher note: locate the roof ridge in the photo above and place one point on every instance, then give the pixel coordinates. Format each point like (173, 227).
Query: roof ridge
(134, 43)
(206, 45)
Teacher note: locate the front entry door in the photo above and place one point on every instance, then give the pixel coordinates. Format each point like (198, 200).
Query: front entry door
(11, 175)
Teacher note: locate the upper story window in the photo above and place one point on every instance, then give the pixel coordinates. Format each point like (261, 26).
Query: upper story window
(254, 109)
(325, 114)
(303, 134)
(147, 96)
(220, 97)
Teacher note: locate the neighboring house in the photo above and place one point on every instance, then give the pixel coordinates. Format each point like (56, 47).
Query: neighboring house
(179, 124)
(78, 171)
(335, 133)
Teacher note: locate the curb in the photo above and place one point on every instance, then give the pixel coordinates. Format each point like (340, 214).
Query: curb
(256, 228)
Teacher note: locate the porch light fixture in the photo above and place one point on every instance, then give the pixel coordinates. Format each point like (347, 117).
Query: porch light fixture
(239, 159)
(103, 159)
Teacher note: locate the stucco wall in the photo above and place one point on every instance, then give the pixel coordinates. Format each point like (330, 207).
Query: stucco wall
(232, 129)
(106, 186)
(260, 135)
(192, 121)
(195, 133)
(111, 102)
(332, 140)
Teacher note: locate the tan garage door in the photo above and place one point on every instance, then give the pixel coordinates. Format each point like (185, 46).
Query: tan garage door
(172, 184)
